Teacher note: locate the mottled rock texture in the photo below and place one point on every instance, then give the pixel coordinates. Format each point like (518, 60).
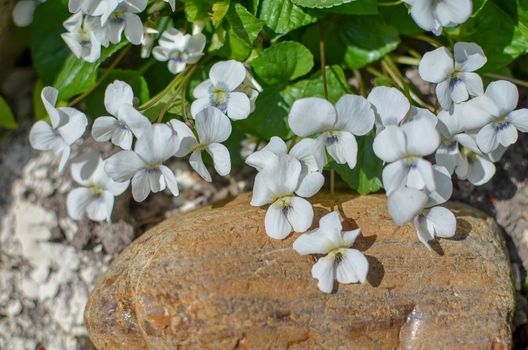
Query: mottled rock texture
(212, 279)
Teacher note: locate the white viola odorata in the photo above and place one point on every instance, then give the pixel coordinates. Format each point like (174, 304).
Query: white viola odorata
(125, 122)
(144, 165)
(390, 106)
(213, 128)
(95, 198)
(404, 148)
(335, 126)
(251, 88)
(500, 122)
(23, 12)
(411, 205)
(81, 39)
(67, 126)
(179, 49)
(115, 17)
(455, 76)
(277, 184)
(434, 15)
(340, 262)
(305, 151)
(147, 43)
(220, 91)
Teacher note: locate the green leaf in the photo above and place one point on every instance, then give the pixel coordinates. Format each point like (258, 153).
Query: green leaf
(399, 18)
(38, 107)
(241, 30)
(269, 117)
(95, 101)
(7, 119)
(282, 62)
(48, 50)
(78, 75)
(355, 40)
(503, 36)
(314, 86)
(282, 16)
(365, 177)
(357, 7)
(202, 10)
(320, 3)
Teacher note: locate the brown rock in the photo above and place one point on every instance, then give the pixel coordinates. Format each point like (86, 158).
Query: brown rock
(213, 279)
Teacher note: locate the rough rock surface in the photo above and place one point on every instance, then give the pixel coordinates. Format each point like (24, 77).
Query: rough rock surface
(213, 279)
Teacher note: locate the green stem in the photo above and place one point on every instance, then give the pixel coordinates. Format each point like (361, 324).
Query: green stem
(102, 78)
(392, 3)
(428, 39)
(161, 94)
(410, 61)
(510, 79)
(179, 90)
(361, 83)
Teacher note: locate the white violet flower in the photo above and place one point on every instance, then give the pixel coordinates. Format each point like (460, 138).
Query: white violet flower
(96, 197)
(335, 125)
(304, 151)
(81, 39)
(455, 76)
(341, 263)
(220, 91)
(179, 49)
(126, 121)
(212, 127)
(23, 12)
(499, 119)
(147, 43)
(144, 165)
(116, 17)
(403, 147)
(276, 185)
(67, 126)
(433, 15)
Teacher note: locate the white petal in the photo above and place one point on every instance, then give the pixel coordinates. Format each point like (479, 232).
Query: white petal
(160, 53)
(64, 157)
(469, 56)
(283, 175)
(421, 12)
(300, 214)
(481, 171)
(422, 138)
(415, 179)
(394, 176)
(311, 153)
(199, 105)
(390, 104)
(75, 126)
(310, 185)
(276, 223)
(133, 28)
(42, 137)
(229, 73)
(140, 186)
(443, 186)
(443, 220)
(425, 169)
(453, 12)
(436, 65)
(405, 203)
(507, 135)
(447, 156)
(186, 137)
(352, 268)
(101, 207)
(238, 106)
(135, 121)
(84, 166)
(49, 96)
(77, 202)
(123, 165)
(196, 43)
(157, 144)
(170, 180)
(262, 194)
(311, 115)
(349, 237)
(330, 224)
(202, 89)
(424, 229)
(23, 12)
(212, 126)
(504, 94)
(176, 67)
(390, 144)
(323, 270)
(443, 94)
(221, 158)
(354, 114)
(477, 112)
(487, 138)
(459, 92)
(519, 118)
(198, 165)
(103, 128)
(473, 83)
(117, 94)
(344, 149)
(314, 242)
(260, 159)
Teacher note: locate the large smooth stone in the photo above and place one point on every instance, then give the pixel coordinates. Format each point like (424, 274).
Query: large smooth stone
(212, 279)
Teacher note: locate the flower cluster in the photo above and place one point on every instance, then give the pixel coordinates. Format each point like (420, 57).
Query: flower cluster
(145, 147)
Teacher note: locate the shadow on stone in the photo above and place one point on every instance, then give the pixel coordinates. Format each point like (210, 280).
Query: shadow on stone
(462, 231)
(376, 271)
